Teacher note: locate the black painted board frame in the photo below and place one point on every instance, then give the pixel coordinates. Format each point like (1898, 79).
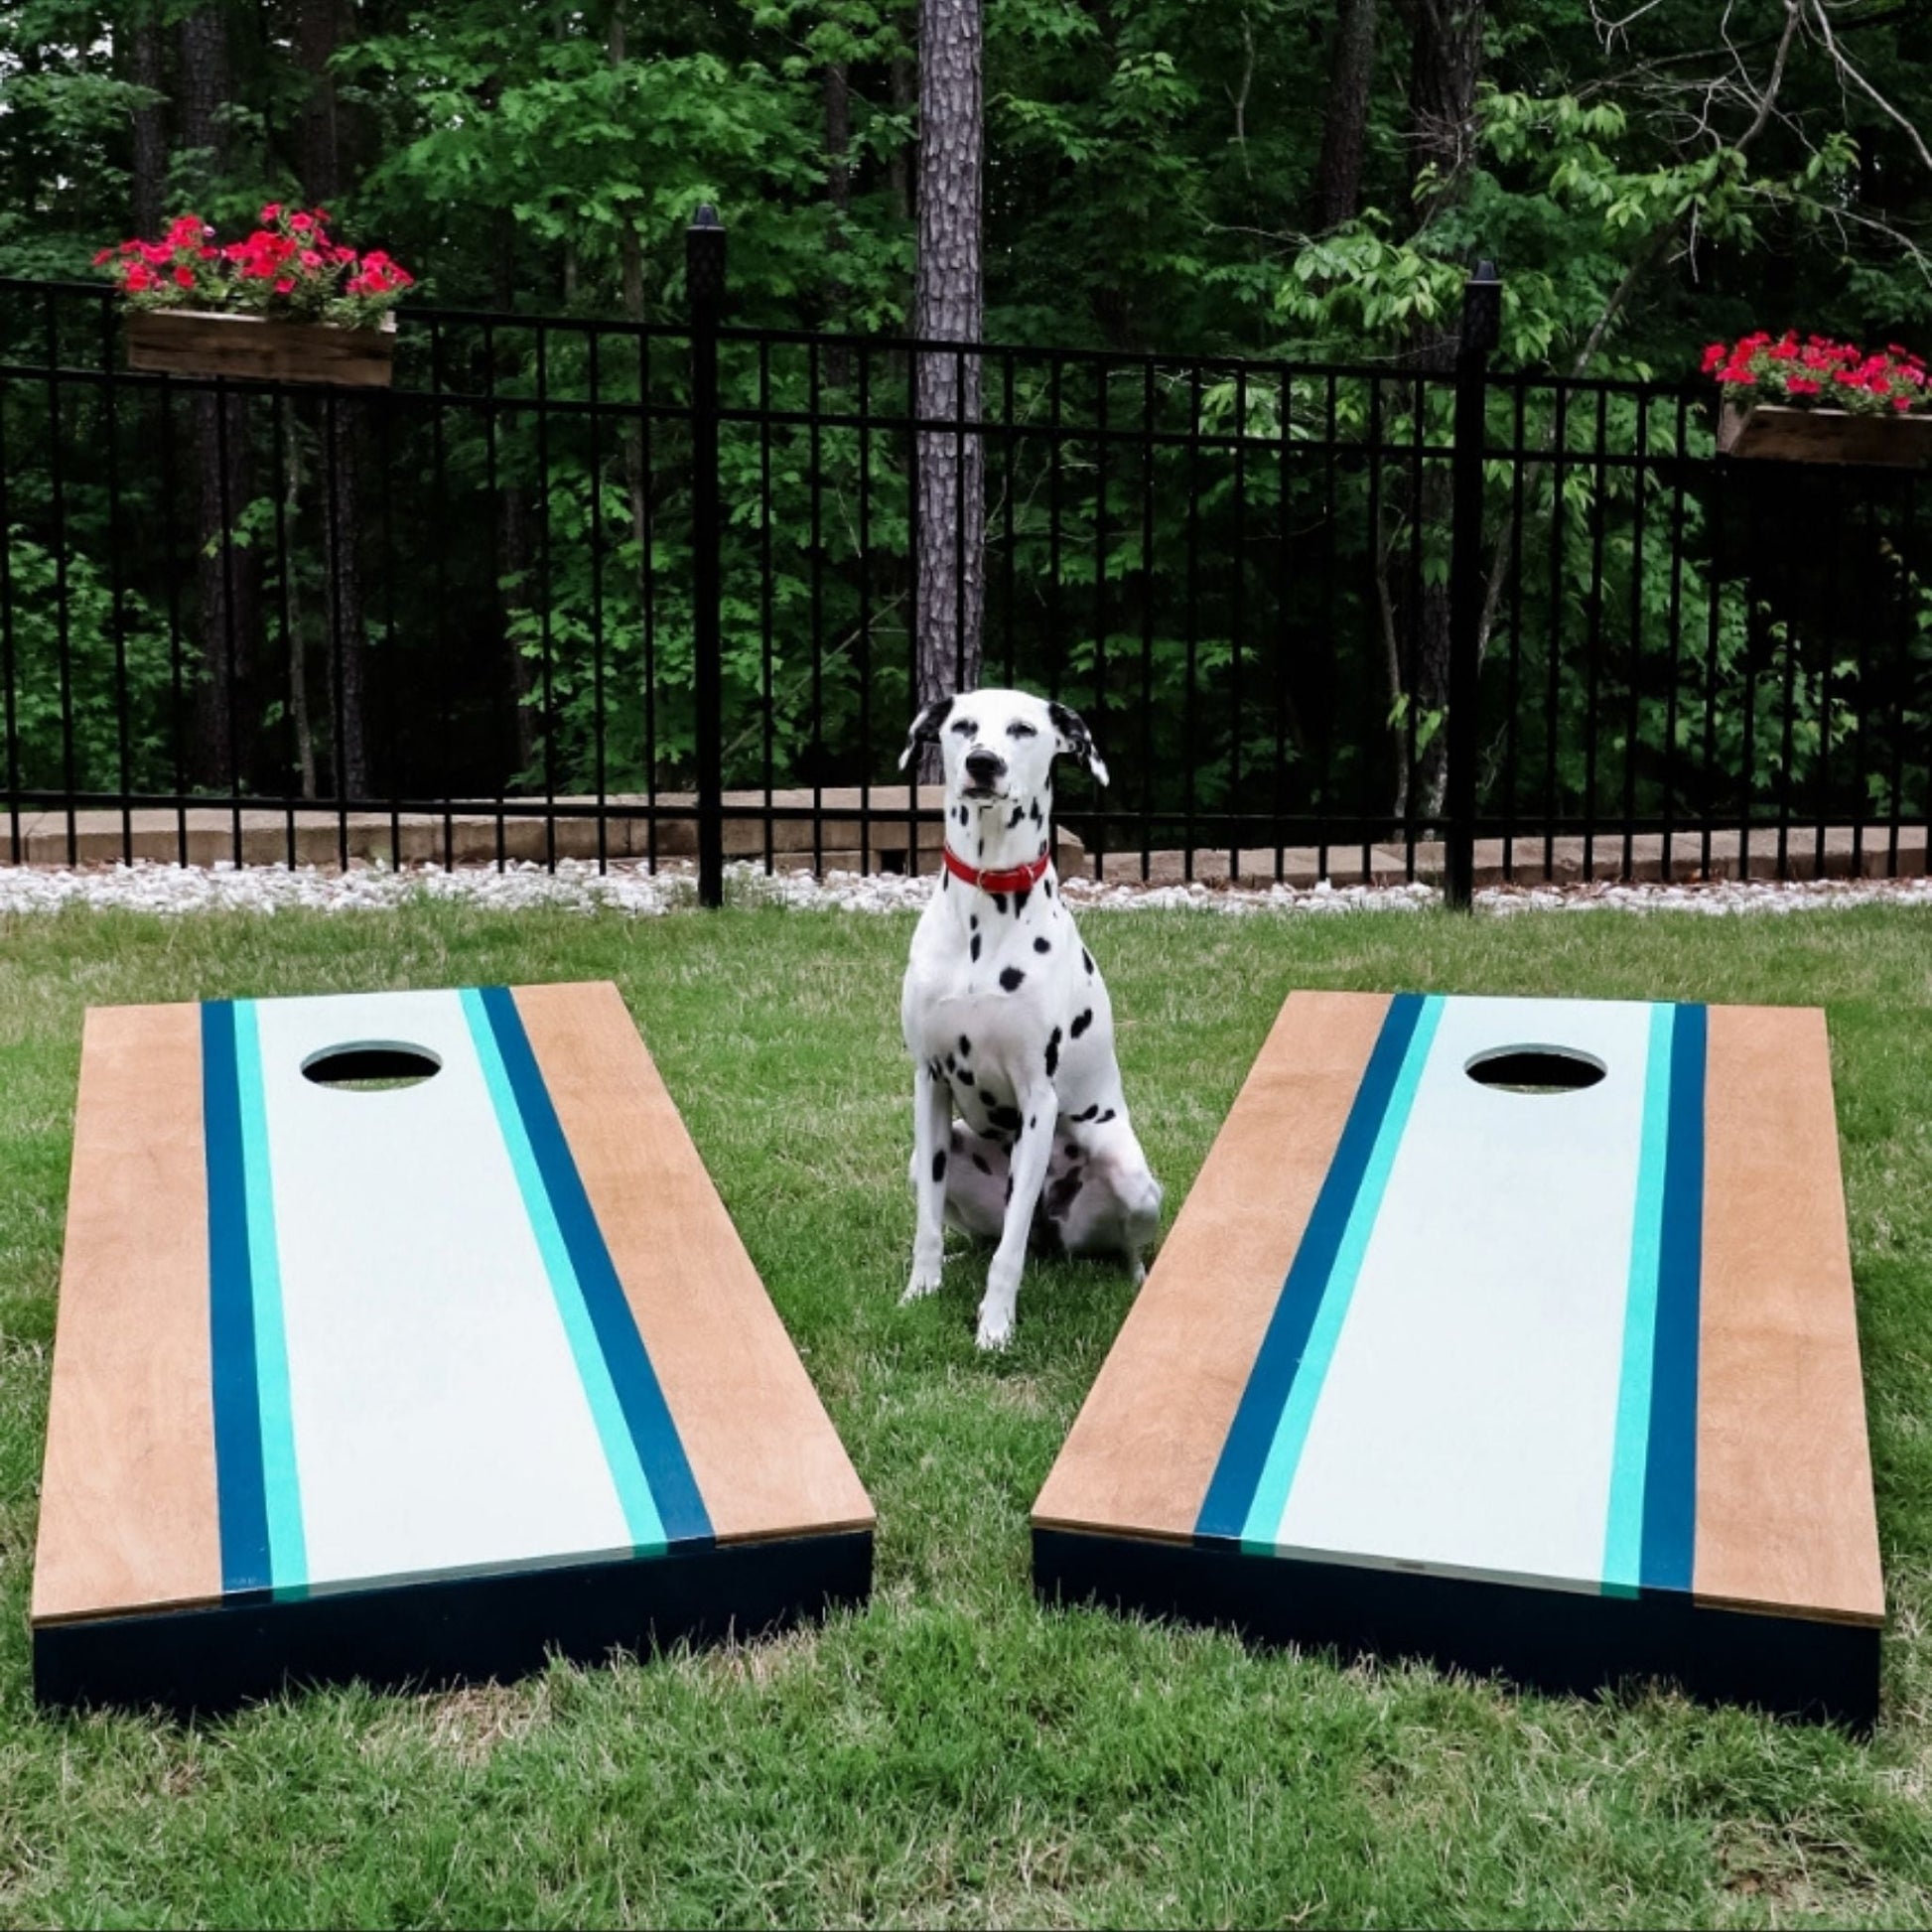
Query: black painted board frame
(450, 1629)
(1545, 1639)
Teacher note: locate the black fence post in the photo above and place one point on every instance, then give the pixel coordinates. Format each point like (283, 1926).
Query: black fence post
(1483, 300)
(704, 275)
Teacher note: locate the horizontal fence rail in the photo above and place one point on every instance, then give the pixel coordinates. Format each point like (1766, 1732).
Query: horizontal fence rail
(639, 594)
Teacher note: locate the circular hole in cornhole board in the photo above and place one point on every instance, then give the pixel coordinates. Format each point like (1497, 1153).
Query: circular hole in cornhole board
(371, 1066)
(1536, 1069)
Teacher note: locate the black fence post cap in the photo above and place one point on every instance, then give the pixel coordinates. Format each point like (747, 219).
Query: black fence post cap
(706, 217)
(1482, 310)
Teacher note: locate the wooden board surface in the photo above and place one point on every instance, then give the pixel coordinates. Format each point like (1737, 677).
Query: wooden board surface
(317, 1338)
(1598, 1340)
(127, 1496)
(1784, 1513)
(1144, 1448)
(721, 1349)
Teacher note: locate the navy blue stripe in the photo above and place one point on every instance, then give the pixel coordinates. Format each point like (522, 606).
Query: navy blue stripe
(672, 1487)
(1670, 1482)
(1231, 1494)
(242, 1497)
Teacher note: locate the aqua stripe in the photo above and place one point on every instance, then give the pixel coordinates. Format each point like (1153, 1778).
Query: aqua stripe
(281, 1486)
(642, 1516)
(240, 1506)
(1670, 1476)
(1630, 1452)
(1297, 1340)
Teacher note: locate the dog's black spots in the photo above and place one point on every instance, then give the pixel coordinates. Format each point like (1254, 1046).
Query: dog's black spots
(964, 815)
(1074, 1151)
(976, 945)
(1061, 1196)
(1043, 945)
(1000, 903)
(945, 880)
(1009, 1187)
(1010, 978)
(965, 1077)
(973, 922)
(1047, 888)
(979, 1161)
(1105, 1118)
(1038, 820)
(1004, 1117)
(1053, 1052)
(1090, 1112)
(939, 1164)
(1088, 957)
(932, 1069)
(965, 1047)
(1019, 900)
(1082, 1023)
(951, 1063)
(1032, 1121)
(1018, 819)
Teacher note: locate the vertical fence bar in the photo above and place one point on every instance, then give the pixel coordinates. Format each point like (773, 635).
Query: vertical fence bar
(1481, 326)
(11, 718)
(57, 512)
(704, 268)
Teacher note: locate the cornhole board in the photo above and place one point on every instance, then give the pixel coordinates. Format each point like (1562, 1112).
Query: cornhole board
(411, 1383)
(1562, 1384)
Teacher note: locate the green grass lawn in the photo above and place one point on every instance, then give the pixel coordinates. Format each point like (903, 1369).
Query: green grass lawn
(956, 1755)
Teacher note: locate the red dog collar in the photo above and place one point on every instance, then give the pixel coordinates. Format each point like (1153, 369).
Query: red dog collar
(1016, 878)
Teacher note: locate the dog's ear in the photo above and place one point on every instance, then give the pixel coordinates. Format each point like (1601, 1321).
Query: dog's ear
(927, 728)
(1076, 741)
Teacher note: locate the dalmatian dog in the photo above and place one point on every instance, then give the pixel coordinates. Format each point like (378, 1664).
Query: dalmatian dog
(1008, 1021)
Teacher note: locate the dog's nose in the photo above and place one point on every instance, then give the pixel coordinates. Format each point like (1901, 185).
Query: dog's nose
(985, 768)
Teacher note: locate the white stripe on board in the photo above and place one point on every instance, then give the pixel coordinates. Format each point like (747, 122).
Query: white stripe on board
(440, 1424)
(1467, 1422)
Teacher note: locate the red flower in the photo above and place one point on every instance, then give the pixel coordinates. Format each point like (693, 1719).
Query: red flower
(302, 223)
(1712, 355)
(183, 278)
(272, 212)
(1802, 385)
(285, 286)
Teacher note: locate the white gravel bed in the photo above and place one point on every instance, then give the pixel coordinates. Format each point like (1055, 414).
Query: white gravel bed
(630, 889)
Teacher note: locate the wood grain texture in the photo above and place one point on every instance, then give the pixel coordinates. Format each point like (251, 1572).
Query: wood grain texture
(1791, 435)
(1785, 1518)
(196, 342)
(766, 1458)
(1145, 1445)
(128, 1505)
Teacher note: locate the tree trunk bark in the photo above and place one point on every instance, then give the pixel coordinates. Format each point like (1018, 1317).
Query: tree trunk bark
(1344, 128)
(318, 34)
(837, 191)
(229, 577)
(947, 306)
(147, 68)
(1444, 67)
(513, 508)
(636, 479)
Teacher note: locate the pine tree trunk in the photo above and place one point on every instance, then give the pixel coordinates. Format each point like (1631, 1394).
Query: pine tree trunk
(631, 269)
(318, 34)
(948, 306)
(1445, 68)
(1344, 128)
(229, 577)
(837, 191)
(147, 68)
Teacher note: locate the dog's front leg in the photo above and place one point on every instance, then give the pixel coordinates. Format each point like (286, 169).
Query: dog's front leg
(1032, 1153)
(931, 1137)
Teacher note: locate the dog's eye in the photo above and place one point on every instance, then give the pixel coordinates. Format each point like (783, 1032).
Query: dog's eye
(965, 727)
(1018, 729)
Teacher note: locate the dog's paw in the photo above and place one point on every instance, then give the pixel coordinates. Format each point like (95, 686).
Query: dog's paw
(996, 1326)
(926, 1279)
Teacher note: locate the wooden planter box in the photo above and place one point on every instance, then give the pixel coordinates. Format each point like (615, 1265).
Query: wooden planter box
(198, 341)
(1781, 432)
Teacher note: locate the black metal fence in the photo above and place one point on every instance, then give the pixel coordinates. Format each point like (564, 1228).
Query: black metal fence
(593, 589)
